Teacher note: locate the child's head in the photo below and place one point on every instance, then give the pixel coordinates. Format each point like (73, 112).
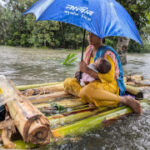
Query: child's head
(102, 65)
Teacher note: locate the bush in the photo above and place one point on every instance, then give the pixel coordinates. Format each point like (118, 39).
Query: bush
(135, 47)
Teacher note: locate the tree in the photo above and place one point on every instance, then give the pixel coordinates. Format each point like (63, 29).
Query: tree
(19, 30)
(140, 12)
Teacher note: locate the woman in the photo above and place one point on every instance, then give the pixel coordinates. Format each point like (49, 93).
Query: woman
(105, 90)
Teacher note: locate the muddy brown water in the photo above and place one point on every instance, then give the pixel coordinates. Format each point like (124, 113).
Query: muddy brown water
(31, 66)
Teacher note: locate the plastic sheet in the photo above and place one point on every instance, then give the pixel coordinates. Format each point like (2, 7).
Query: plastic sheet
(6, 94)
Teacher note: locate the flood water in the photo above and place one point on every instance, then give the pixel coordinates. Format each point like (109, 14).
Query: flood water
(30, 66)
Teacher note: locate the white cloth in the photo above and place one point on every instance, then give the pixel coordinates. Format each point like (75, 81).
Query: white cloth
(86, 77)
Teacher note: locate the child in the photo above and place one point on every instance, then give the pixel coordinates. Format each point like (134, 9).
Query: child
(101, 65)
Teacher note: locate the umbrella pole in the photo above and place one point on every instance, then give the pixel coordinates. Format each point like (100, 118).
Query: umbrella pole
(83, 44)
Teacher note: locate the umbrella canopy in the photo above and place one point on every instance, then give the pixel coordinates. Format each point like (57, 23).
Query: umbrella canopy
(100, 17)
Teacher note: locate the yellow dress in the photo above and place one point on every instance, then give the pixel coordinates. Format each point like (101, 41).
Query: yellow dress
(101, 93)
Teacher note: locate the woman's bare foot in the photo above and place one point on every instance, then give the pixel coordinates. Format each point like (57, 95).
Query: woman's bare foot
(131, 102)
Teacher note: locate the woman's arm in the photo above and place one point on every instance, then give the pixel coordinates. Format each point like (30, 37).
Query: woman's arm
(84, 68)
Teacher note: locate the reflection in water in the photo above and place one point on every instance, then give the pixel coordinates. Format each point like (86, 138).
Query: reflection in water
(30, 66)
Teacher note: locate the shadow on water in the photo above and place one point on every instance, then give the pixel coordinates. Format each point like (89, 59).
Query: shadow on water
(30, 66)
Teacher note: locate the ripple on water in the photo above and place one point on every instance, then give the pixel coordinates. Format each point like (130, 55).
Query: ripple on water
(30, 66)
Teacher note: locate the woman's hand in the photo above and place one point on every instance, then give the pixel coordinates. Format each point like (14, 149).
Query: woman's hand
(83, 66)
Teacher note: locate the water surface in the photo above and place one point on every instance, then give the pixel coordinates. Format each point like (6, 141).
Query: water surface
(30, 66)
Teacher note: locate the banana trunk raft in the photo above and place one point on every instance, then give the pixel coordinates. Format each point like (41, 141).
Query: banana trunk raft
(67, 116)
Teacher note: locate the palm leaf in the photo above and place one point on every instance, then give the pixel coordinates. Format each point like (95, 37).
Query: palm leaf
(70, 59)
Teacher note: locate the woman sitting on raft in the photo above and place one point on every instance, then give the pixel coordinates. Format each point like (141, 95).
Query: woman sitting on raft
(107, 89)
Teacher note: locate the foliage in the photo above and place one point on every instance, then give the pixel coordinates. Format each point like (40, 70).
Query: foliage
(145, 48)
(58, 107)
(70, 59)
(139, 11)
(146, 31)
(19, 30)
(112, 41)
(137, 48)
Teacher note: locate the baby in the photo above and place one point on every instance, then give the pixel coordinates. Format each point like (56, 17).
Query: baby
(101, 65)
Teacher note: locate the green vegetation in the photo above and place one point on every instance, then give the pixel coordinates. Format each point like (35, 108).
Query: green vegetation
(19, 30)
(70, 59)
(145, 48)
(137, 48)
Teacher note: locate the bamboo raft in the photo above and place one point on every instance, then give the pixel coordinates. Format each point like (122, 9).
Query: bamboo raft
(68, 116)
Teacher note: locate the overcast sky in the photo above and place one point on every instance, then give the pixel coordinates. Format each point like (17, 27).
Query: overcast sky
(2, 2)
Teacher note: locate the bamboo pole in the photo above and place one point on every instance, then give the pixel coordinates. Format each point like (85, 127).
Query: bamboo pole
(67, 103)
(30, 122)
(134, 91)
(70, 117)
(24, 87)
(20, 144)
(83, 126)
(143, 83)
(134, 78)
(131, 83)
(75, 128)
(47, 97)
(97, 121)
(43, 90)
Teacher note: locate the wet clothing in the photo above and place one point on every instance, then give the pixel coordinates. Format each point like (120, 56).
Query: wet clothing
(103, 92)
(107, 50)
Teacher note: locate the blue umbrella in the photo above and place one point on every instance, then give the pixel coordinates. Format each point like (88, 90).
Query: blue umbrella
(100, 17)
